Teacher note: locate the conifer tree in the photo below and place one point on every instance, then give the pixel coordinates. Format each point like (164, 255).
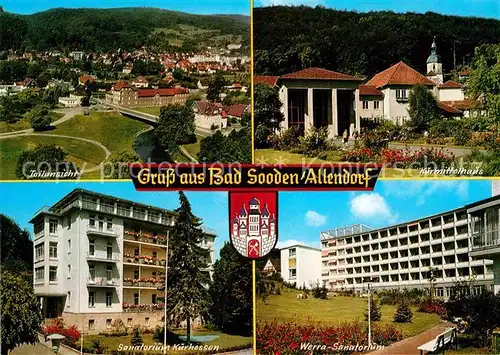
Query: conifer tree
(136, 339)
(403, 314)
(375, 312)
(187, 293)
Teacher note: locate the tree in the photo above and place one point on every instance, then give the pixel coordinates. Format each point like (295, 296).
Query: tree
(136, 339)
(215, 87)
(422, 108)
(484, 80)
(21, 314)
(16, 247)
(175, 127)
(319, 291)
(231, 293)
(43, 158)
(237, 147)
(267, 111)
(187, 283)
(431, 277)
(39, 117)
(404, 313)
(117, 167)
(375, 312)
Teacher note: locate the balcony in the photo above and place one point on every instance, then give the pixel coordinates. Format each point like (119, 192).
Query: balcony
(145, 282)
(102, 282)
(102, 257)
(486, 243)
(145, 238)
(144, 260)
(101, 231)
(127, 307)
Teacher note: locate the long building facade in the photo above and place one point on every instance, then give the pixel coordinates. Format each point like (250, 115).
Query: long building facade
(99, 258)
(454, 245)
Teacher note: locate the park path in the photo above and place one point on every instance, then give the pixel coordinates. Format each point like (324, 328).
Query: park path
(409, 346)
(186, 153)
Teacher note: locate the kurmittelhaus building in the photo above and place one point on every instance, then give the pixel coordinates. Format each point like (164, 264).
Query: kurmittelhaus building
(458, 245)
(99, 259)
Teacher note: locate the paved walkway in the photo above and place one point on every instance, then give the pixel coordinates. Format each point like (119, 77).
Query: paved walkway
(409, 346)
(239, 352)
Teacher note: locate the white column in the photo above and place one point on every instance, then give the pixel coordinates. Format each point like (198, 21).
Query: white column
(357, 112)
(334, 130)
(284, 99)
(309, 119)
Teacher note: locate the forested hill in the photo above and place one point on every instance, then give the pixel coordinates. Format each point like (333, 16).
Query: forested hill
(291, 38)
(110, 29)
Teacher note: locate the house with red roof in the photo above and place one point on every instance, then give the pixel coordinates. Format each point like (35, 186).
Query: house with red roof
(209, 114)
(316, 97)
(123, 94)
(450, 91)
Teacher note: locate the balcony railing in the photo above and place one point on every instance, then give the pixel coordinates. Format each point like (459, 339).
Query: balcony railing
(143, 260)
(127, 307)
(102, 282)
(486, 239)
(145, 282)
(144, 237)
(102, 257)
(101, 231)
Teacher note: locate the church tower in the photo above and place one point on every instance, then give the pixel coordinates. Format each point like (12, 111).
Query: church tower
(435, 65)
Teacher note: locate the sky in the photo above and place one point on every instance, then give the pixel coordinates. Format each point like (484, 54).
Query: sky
(303, 215)
(20, 201)
(203, 7)
(477, 8)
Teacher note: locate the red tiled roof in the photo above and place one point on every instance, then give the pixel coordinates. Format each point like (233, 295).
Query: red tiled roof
(162, 92)
(465, 104)
(236, 110)
(448, 108)
(318, 74)
(399, 74)
(369, 90)
(121, 85)
(237, 85)
(85, 78)
(207, 108)
(265, 79)
(450, 84)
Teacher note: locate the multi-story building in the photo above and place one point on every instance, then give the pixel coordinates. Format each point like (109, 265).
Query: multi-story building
(301, 265)
(454, 245)
(100, 258)
(122, 94)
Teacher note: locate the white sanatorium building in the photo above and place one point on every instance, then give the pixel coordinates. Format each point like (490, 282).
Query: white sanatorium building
(99, 258)
(458, 243)
(300, 265)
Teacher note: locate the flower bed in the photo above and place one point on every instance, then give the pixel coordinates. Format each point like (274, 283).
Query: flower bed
(360, 155)
(286, 338)
(72, 334)
(130, 307)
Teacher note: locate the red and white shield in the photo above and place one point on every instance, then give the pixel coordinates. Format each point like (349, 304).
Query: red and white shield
(253, 224)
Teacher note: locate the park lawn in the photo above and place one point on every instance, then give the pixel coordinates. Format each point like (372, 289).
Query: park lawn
(115, 132)
(151, 110)
(85, 155)
(225, 341)
(334, 310)
(194, 148)
(17, 126)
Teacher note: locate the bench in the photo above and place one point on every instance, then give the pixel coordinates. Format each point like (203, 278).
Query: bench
(447, 337)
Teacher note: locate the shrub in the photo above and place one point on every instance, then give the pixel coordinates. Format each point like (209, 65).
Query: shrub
(375, 312)
(403, 314)
(360, 155)
(262, 134)
(314, 141)
(136, 337)
(432, 306)
(72, 334)
(286, 140)
(320, 292)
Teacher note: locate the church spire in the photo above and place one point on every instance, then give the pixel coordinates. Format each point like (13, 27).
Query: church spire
(433, 46)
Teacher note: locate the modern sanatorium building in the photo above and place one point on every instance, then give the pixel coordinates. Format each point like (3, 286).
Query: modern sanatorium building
(299, 265)
(99, 258)
(459, 244)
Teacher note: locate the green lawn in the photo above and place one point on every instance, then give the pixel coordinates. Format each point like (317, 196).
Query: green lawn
(335, 310)
(194, 148)
(115, 132)
(151, 110)
(79, 152)
(225, 341)
(23, 124)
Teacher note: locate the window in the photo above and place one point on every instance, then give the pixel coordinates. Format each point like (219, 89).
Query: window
(153, 298)
(53, 226)
(136, 252)
(109, 273)
(39, 227)
(53, 250)
(68, 222)
(146, 320)
(292, 252)
(92, 220)
(365, 105)
(92, 272)
(401, 94)
(68, 299)
(129, 322)
(91, 247)
(136, 273)
(108, 323)
(109, 251)
(155, 254)
(69, 271)
(91, 299)
(91, 324)
(376, 104)
(293, 273)
(109, 298)
(40, 273)
(39, 252)
(109, 224)
(53, 273)
(136, 299)
(69, 246)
